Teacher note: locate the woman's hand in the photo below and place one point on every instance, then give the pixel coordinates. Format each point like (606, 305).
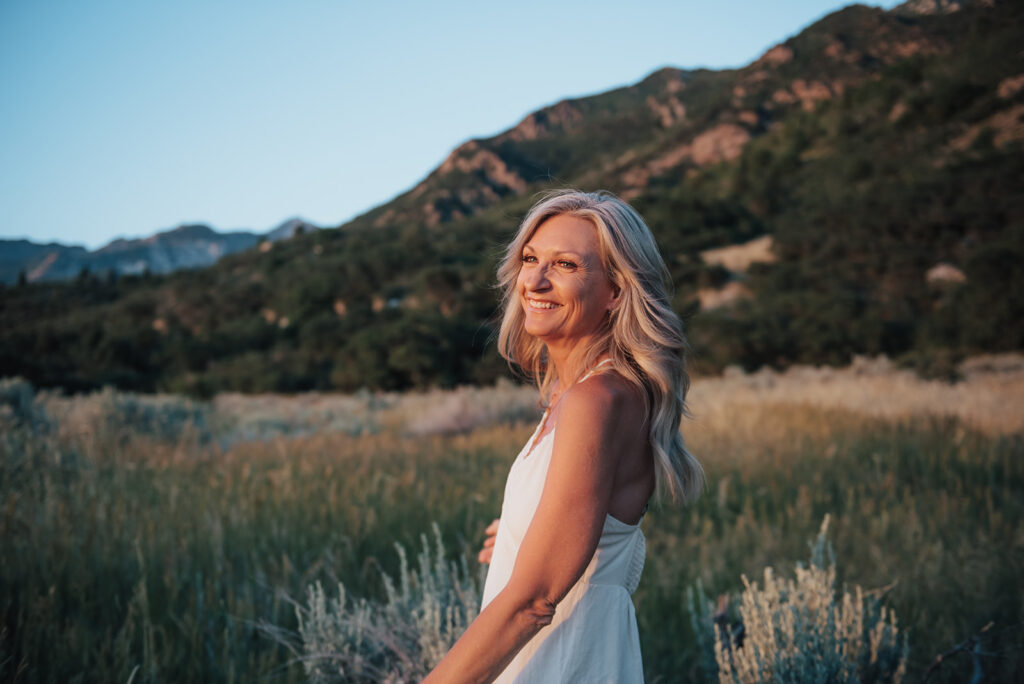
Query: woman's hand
(488, 550)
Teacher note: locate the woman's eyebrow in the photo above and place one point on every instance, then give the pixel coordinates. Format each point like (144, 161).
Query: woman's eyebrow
(578, 258)
(557, 252)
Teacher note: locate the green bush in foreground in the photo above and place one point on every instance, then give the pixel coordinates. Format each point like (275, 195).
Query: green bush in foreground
(799, 630)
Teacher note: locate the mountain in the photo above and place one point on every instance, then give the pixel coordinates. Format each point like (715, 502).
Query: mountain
(856, 189)
(672, 121)
(25, 259)
(184, 247)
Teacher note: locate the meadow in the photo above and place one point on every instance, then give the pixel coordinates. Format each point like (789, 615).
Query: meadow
(154, 538)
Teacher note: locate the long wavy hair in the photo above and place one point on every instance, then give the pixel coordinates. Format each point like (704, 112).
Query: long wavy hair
(642, 335)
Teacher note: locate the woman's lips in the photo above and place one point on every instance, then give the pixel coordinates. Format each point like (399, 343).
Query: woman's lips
(541, 305)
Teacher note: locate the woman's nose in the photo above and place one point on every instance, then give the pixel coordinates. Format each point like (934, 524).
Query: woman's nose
(537, 277)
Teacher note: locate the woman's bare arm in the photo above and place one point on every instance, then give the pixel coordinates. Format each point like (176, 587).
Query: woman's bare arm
(562, 537)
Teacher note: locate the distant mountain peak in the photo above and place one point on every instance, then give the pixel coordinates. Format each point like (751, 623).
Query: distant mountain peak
(189, 245)
(290, 228)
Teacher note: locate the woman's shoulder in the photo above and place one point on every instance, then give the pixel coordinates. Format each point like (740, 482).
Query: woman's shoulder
(601, 415)
(603, 395)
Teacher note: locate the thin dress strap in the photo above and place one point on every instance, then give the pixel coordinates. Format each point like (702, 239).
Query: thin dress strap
(593, 370)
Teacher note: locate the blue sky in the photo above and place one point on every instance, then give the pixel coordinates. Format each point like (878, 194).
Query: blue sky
(120, 119)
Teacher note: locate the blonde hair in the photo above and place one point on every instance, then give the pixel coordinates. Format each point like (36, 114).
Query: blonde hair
(642, 336)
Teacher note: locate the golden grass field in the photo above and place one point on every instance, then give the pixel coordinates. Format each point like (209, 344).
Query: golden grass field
(148, 538)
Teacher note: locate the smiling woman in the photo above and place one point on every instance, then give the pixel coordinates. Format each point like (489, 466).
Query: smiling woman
(586, 313)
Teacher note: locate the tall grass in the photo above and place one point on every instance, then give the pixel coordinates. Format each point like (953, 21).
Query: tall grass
(136, 552)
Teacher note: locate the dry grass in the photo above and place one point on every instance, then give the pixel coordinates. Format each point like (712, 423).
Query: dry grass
(233, 418)
(990, 398)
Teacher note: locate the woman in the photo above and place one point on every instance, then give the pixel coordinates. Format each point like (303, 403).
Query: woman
(586, 312)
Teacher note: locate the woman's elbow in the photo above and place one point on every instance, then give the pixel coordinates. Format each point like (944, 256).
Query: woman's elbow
(536, 613)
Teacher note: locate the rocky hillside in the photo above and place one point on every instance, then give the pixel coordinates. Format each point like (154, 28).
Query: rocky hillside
(674, 120)
(857, 189)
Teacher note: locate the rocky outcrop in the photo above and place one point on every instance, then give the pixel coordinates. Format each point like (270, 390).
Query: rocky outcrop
(738, 258)
(775, 56)
(930, 6)
(807, 93)
(723, 142)
(560, 118)
(470, 158)
(727, 295)
(669, 112)
(487, 179)
(1010, 86)
(1005, 126)
(942, 273)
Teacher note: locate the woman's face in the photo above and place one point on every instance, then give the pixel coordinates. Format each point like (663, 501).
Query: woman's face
(563, 288)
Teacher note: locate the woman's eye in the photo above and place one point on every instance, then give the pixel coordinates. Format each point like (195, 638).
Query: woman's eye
(567, 264)
(529, 259)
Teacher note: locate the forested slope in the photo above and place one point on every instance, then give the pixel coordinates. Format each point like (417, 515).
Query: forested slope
(874, 160)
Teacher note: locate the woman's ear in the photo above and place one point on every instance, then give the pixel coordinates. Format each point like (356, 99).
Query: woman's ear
(613, 303)
(613, 280)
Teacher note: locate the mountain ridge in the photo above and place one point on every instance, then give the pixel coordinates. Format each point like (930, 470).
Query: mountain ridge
(186, 246)
(749, 112)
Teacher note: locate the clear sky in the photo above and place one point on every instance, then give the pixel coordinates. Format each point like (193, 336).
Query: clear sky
(129, 117)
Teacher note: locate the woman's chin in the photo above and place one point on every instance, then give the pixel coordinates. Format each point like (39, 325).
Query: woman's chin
(538, 331)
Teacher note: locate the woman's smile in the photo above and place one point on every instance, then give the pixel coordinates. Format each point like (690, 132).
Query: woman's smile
(542, 305)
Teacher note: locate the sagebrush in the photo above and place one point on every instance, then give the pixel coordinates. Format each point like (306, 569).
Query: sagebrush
(349, 639)
(800, 630)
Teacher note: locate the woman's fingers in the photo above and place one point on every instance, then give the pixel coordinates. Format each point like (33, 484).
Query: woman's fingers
(488, 550)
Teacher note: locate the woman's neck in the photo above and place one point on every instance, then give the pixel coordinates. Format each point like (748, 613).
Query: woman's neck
(568, 366)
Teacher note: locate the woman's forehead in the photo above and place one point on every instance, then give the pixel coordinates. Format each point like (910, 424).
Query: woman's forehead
(566, 233)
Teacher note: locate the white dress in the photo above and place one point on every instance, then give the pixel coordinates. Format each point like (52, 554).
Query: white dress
(593, 636)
